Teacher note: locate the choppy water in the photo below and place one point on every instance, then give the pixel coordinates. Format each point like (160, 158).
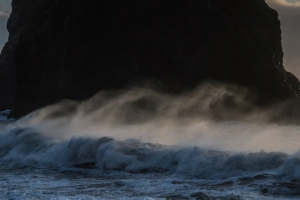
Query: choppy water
(35, 167)
(81, 151)
(72, 183)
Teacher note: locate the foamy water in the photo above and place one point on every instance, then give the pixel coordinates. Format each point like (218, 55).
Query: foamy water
(144, 145)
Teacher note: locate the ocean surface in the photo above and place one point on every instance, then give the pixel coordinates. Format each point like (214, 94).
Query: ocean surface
(76, 150)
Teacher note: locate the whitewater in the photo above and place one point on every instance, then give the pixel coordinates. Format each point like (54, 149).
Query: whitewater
(210, 143)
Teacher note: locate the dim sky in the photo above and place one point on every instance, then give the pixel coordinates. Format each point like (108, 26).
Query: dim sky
(5, 9)
(289, 14)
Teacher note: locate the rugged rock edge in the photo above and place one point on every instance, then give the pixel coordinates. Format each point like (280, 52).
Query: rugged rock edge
(73, 49)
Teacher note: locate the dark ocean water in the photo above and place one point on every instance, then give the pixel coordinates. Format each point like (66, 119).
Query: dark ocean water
(109, 150)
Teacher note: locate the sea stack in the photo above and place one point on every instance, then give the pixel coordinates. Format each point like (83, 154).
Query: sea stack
(72, 49)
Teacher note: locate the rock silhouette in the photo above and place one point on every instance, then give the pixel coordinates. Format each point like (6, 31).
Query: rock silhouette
(73, 49)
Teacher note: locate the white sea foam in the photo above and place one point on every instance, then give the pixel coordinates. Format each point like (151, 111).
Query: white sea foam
(144, 131)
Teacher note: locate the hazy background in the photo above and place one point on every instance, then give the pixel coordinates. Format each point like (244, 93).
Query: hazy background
(289, 14)
(5, 10)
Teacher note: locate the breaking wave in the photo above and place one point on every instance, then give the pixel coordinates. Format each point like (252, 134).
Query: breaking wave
(24, 147)
(144, 131)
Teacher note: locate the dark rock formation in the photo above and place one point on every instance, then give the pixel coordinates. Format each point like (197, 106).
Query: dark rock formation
(74, 48)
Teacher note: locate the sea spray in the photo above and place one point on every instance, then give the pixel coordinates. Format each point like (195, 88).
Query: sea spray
(143, 132)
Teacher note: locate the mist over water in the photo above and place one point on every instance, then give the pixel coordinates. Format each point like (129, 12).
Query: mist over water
(214, 116)
(213, 132)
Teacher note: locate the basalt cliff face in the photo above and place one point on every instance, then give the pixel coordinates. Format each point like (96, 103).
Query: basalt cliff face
(74, 48)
